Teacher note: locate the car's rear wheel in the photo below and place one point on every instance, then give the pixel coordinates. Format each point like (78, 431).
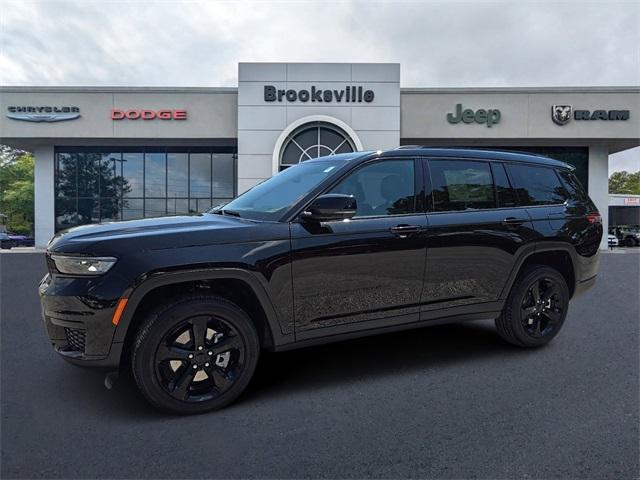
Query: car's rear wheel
(629, 242)
(535, 309)
(195, 354)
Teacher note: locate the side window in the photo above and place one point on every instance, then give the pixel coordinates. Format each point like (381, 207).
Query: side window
(537, 185)
(382, 188)
(572, 185)
(506, 195)
(461, 185)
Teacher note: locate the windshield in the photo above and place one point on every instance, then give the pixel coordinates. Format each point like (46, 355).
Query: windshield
(270, 199)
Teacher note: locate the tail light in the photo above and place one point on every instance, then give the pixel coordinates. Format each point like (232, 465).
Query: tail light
(594, 217)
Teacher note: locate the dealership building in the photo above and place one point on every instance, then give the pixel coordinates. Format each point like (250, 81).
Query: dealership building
(118, 153)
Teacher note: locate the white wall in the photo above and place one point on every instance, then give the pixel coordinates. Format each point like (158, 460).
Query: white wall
(44, 195)
(261, 123)
(598, 188)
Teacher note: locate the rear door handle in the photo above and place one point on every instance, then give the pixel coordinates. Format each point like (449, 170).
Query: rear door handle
(404, 231)
(513, 221)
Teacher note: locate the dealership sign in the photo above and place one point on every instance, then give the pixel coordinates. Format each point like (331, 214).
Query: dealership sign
(562, 114)
(43, 113)
(482, 116)
(146, 114)
(350, 94)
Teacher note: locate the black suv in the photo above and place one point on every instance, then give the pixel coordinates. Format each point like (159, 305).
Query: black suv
(334, 248)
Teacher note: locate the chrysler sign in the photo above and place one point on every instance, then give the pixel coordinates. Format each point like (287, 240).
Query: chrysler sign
(43, 113)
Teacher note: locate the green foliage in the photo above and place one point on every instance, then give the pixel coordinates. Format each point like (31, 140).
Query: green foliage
(16, 190)
(625, 182)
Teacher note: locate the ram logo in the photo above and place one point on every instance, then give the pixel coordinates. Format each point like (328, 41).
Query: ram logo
(561, 114)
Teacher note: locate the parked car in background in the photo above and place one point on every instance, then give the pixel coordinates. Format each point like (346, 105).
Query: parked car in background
(613, 240)
(10, 240)
(629, 236)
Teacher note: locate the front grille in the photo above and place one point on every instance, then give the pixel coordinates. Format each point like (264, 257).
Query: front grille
(75, 339)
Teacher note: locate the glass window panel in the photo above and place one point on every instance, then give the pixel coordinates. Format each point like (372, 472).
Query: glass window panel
(291, 154)
(223, 175)
(330, 138)
(88, 178)
(66, 181)
(155, 207)
(308, 138)
(66, 212)
(109, 172)
(155, 174)
(461, 185)
(382, 188)
(132, 171)
(178, 206)
(200, 175)
(132, 208)
(537, 185)
(110, 209)
(88, 210)
(506, 195)
(177, 175)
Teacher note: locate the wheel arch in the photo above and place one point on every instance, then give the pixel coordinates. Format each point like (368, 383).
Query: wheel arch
(234, 284)
(557, 255)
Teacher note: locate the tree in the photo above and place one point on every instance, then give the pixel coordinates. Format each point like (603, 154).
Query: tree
(625, 182)
(16, 189)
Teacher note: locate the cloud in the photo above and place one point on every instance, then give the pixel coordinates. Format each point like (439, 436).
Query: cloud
(439, 44)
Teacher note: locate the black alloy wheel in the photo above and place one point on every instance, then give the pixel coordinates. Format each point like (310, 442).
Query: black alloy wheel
(541, 308)
(199, 359)
(194, 354)
(536, 307)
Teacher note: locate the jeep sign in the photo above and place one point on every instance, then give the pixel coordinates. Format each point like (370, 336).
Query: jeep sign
(488, 117)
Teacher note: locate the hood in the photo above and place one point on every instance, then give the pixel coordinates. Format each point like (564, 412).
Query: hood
(151, 234)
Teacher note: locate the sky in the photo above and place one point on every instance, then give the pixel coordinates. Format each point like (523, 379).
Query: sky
(451, 43)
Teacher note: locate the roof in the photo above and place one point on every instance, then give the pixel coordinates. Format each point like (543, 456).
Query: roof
(484, 154)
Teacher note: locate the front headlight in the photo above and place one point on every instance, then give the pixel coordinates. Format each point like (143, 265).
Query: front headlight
(83, 265)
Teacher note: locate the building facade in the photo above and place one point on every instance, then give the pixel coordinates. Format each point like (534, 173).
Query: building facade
(109, 154)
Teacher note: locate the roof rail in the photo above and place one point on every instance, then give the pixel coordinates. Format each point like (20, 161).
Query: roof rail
(404, 147)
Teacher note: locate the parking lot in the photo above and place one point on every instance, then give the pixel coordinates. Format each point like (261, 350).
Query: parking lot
(449, 401)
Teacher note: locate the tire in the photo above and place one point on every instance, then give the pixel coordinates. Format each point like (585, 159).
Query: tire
(177, 376)
(629, 242)
(526, 323)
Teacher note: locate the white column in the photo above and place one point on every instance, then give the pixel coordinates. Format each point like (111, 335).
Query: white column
(598, 187)
(44, 197)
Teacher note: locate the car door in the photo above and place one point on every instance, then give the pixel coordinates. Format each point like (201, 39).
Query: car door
(476, 232)
(369, 268)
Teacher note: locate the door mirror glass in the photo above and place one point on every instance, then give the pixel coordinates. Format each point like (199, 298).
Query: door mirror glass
(331, 207)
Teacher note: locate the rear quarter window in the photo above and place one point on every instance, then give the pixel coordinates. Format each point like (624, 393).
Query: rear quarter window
(537, 185)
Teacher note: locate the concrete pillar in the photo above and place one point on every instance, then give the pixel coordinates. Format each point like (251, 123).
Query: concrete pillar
(598, 187)
(44, 196)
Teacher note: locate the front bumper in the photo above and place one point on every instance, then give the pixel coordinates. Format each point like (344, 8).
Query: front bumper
(79, 325)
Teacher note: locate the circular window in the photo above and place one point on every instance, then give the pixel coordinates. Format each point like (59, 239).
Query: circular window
(313, 140)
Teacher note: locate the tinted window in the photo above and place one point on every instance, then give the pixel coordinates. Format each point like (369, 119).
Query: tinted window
(537, 185)
(270, 199)
(506, 195)
(461, 185)
(381, 188)
(572, 185)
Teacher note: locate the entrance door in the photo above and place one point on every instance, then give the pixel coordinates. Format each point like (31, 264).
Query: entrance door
(367, 269)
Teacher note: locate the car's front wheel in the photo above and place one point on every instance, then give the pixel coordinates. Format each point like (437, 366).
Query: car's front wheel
(535, 309)
(195, 354)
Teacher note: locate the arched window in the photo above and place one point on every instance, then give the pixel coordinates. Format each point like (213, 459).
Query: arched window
(312, 140)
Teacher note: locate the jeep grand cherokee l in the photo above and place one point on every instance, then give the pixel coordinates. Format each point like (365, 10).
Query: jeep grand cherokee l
(333, 248)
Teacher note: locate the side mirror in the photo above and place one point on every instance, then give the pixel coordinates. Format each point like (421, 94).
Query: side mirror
(331, 207)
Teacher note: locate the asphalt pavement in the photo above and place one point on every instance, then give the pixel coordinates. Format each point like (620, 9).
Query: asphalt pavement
(449, 401)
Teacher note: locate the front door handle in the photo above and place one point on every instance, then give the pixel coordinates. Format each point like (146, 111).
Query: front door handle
(513, 221)
(403, 231)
